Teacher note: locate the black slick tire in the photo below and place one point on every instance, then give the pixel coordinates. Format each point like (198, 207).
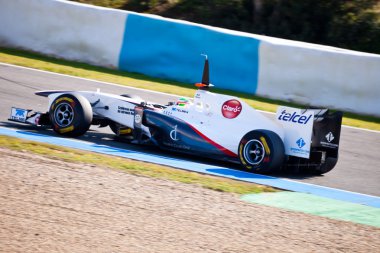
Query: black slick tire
(261, 151)
(70, 115)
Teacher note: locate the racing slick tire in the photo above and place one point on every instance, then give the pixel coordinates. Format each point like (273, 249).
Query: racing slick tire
(71, 115)
(261, 151)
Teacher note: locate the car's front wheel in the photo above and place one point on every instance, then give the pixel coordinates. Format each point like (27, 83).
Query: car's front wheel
(261, 151)
(70, 115)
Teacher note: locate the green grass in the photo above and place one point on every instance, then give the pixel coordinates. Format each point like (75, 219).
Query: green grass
(37, 61)
(132, 167)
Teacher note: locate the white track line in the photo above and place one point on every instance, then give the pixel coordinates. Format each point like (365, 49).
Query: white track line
(134, 88)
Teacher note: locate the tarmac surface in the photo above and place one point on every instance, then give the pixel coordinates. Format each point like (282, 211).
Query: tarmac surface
(357, 170)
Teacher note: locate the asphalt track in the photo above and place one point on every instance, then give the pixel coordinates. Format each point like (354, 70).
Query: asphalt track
(357, 169)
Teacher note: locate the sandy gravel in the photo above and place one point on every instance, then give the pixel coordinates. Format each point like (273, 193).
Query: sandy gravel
(54, 206)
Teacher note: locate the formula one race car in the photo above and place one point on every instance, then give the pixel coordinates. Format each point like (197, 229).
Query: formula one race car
(213, 125)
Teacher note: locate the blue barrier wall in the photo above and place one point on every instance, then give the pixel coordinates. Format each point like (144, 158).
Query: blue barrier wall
(171, 49)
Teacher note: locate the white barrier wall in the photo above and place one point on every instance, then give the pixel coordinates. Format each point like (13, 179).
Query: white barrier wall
(319, 75)
(63, 29)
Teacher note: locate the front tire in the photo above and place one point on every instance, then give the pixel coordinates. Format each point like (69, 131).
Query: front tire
(261, 151)
(70, 115)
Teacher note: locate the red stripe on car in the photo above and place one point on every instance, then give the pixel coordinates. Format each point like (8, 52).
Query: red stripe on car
(221, 148)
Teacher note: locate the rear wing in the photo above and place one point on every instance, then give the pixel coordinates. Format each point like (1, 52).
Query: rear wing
(309, 130)
(298, 126)
(326, 130)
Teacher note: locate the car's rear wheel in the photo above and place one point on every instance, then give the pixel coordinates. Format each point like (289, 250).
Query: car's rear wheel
(70, 115)
(261, 151)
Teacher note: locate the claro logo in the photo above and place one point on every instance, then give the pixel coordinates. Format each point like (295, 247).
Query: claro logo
(231, 109)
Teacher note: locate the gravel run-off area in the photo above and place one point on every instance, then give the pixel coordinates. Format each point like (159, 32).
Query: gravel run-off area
(48, 205)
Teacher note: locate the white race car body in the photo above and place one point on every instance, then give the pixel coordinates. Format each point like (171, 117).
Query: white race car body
(214, 125)
(209, 114)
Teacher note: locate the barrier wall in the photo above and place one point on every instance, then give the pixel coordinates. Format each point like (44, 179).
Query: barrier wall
(63, 29)
(320, 76)
(166, 48)
(171, 49)
(280, 69)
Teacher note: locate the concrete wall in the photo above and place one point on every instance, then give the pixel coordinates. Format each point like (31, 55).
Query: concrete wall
(319, 75)
(64, 29)
(166, 48)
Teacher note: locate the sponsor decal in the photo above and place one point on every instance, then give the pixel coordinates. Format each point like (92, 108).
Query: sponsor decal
(182, 111)
(297, 123)
(173, 134)
(329, 145)
(168, 113)
(173, 109)
(65, 99)
(241, 155)
(266, 147)
(66, 129)
(330, 137)
(124, 110)
(197, 95)
(18, 114)
(300, 142)
(137, 118)
(182, 102)
(231, 109)
(300, 147)
(299, 151)
(175, 145)
(295, 118)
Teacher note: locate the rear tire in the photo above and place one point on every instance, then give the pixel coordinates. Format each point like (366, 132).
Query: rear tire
(261, 151)
(71, 115)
